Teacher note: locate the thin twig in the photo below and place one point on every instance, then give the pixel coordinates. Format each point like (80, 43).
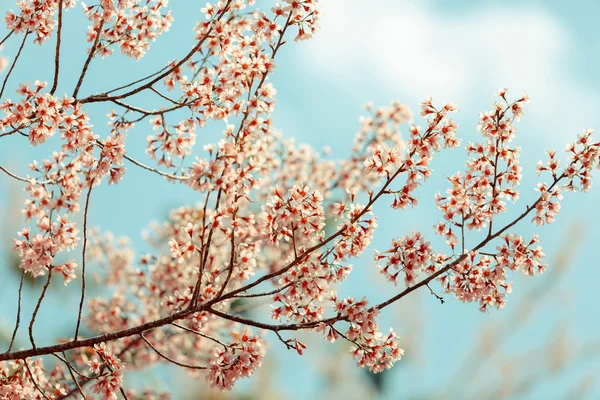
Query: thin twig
(64, 359)
(231, 257)
(57, 54)
(26, 180)
(12, 339)
(138, 81)
(164, 97)
(85, 380)
(199, 334)
(84, 247)
(88, 60)
(156, 171)
(111, 370)
(152, 112)
(148, 168)
(272, 292)
(170, 359)
(33, 380)
(70, 368)
(6, 37)
(205, 251)
(37, 307)
(440, 298)
(14, 63)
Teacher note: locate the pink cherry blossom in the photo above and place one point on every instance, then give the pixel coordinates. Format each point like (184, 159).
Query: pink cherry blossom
(274, 221)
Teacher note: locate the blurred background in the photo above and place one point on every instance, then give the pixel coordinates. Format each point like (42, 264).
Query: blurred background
(544, 345)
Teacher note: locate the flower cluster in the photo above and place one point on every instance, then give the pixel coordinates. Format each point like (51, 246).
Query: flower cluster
(492, 175)
(380, 130)
(37, 251)
(297, 216)
(109, 382)
(482, 278)
(517, 254)
(372, 348)
(36, 16)
(237, 360)
(584, 154)
(421, 146)
(43, 114)
(356, 230)
(26, 379)
(303, 13)
(548, 204)
(306, 287)
(111, 159)
(178, 142)
(132, 24)
(383, 161)
(62, 178)
(410, 255)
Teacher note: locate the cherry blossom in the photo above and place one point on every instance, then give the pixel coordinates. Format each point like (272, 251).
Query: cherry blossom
(37, 16)
(132, 24)
(274, 221)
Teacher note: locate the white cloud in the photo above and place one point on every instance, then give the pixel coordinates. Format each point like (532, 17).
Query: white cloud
(460, 56)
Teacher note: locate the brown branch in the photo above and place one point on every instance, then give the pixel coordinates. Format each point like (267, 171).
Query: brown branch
(58, 40)
(84, 247)
(107, 337)
(153, 112)
(14, 334)
(204, 252)
(12, 67)
(6, 37)
(138, 81)
(88, 60)
(231, 258)
(37, 307)
(256, 324)
(14, 130)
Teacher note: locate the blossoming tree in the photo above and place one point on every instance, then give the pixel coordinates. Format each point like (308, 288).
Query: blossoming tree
(277, 221)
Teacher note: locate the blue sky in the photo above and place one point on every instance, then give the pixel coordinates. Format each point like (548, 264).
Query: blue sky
(379, 51)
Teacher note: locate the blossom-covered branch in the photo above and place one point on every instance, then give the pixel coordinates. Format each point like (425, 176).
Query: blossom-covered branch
(276, 222)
